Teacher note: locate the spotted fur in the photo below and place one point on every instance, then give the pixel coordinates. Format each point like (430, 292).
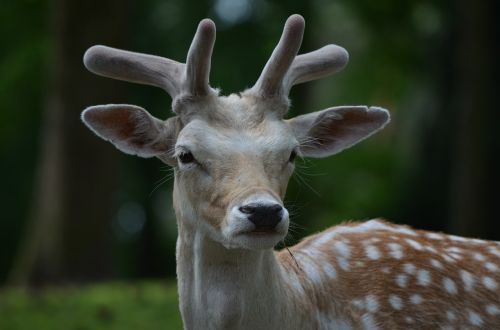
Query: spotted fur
(434, 281)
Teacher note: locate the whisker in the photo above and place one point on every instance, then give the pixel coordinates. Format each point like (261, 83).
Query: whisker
(302, 181)
(162, 181)
(293, 257)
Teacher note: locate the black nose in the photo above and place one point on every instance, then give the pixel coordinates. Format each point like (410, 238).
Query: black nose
(264, 216)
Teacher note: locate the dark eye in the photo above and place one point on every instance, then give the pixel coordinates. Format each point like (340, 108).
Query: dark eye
(292, 156)
(186, 157)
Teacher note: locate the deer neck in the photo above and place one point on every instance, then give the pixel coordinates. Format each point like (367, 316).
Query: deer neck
(222, 288)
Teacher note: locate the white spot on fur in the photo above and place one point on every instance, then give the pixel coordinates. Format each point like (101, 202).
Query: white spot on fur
(468, 279)
(451, 315)
(343, 249)
(474, 318)
(454, 249)
(434, 236)
(375, 225)
(493, 310)
(408, 320)
(479, 257)
(343, 264)
(423, 277)
(294, 281)
(404, 230)
(359, 303)
(313, 253)
(339, 324)
(369, 322)
(489, 283)
(324, 238)
(416, 299)
(447, 258)
(386, 270)
(329, 271)
(449, 285)
(311, 270)
(327, 322)
(436, 264)
(491, 266)
(402, 280)
(494, 251)
(372, 252)
(395, 250)
(396, 302)
(414, 244)
(458, 238)
(430, 249)
(371, 303)
(409, 268)
(369, 226)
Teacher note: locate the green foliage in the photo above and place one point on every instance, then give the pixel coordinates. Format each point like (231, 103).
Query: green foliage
(146, 305)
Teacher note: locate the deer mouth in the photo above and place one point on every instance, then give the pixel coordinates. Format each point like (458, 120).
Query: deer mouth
(258, 238)
(262, 232)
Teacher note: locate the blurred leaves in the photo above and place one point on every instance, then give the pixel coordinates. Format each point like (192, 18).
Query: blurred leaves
(143, 305)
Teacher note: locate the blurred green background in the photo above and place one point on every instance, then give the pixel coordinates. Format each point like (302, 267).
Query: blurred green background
(76, 211)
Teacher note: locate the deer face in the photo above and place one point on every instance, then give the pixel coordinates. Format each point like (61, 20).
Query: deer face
(232, 155)
(233, 163)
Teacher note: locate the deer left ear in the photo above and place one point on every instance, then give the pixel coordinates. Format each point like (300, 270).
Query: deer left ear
(327, 132)
(133, 130)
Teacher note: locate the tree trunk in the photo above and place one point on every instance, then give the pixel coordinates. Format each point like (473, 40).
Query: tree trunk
(472, 177)
(68, 237)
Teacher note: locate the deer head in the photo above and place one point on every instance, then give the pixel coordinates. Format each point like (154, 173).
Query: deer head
(232, 155)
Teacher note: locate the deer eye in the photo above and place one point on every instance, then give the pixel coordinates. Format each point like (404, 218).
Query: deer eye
(186, 157)
(292, 156)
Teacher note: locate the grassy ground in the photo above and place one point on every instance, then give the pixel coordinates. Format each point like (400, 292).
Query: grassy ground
(149, 305)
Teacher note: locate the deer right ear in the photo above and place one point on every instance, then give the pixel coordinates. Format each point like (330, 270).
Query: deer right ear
(327, 132)
(133, 130)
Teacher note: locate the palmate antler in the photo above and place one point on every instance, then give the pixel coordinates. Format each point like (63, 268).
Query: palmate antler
(283, 69)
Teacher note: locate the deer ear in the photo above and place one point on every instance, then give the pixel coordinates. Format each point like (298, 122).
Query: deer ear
(133, 130)
(327, 132)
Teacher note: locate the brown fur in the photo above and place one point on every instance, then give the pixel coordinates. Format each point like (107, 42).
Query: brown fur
(377, 278)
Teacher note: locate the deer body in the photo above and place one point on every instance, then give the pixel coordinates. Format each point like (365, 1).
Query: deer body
(370, 275)
(382, 276)
(233, 156)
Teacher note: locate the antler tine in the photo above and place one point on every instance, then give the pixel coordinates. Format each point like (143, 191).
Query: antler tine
(270, 81)
(174, 77)
(198, 60)
(135, 67)
(315, 65)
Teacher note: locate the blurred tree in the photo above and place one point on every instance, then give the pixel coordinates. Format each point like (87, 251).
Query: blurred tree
(474, 173)
(23, 58)
(68, 237)
(454, 185)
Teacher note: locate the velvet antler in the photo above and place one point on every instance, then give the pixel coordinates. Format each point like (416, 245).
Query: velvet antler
(174, 77)
(285, 69)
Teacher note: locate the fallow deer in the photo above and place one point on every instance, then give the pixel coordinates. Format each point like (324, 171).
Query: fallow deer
(233, 156)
